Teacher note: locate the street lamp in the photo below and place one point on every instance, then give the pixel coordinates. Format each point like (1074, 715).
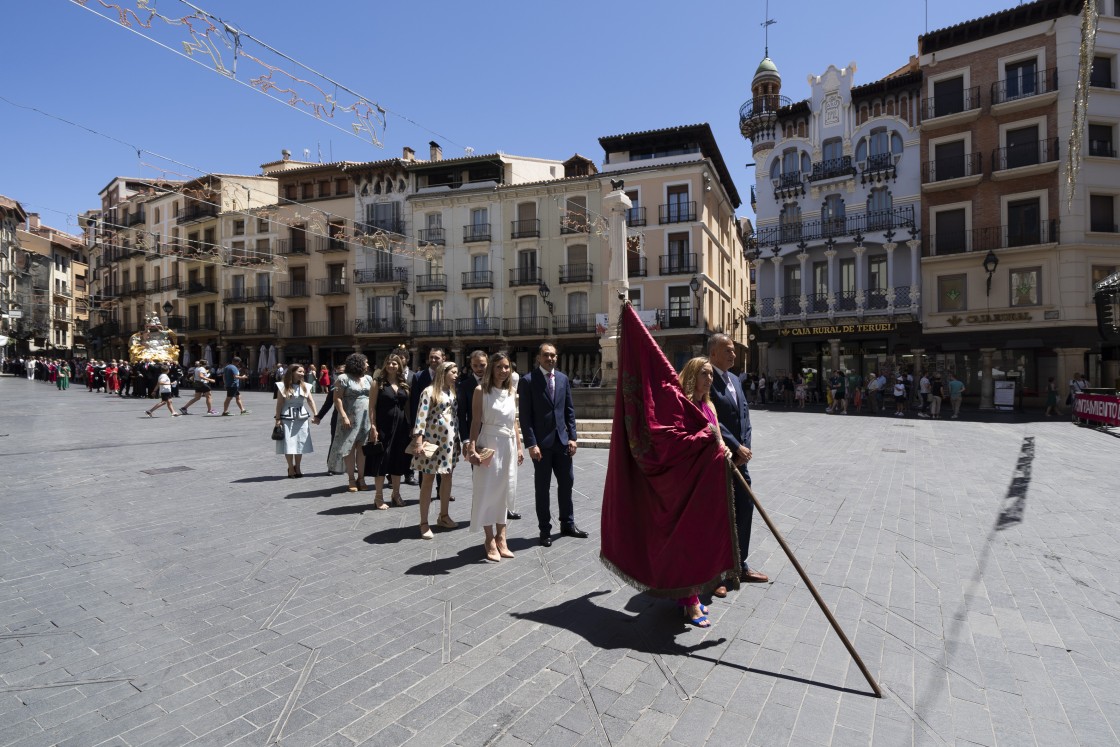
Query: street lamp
(402, 294)
(544, 291)
(167, 308)
(990, 263)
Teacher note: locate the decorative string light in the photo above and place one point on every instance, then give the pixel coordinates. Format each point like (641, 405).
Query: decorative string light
(219, 46)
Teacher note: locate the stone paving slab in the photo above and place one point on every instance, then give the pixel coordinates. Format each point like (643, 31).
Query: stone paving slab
(972, 563)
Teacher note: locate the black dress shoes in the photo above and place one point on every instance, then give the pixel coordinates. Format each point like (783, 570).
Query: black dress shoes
(546, 540)
(573, 531)
(513, 515)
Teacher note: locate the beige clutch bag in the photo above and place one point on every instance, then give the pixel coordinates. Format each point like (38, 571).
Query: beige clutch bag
(486, 456)
(428, 450)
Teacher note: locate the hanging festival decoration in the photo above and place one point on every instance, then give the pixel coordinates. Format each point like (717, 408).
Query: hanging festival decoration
(1089, 19)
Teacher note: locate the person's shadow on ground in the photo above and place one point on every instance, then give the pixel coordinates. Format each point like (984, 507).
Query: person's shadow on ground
(652, 631)
(394, 535)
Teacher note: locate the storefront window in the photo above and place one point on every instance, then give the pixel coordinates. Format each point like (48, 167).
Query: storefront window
(1024, 286)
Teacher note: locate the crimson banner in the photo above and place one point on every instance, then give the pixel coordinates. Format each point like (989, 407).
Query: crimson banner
(1101, 409)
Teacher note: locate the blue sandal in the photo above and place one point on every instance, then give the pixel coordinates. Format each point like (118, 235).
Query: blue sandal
(700, 622)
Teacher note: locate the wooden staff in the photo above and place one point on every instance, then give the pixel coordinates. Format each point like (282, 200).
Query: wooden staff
(812, 589)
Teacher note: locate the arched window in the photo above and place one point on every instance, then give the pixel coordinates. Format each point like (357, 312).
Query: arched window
(879, 204)
(890, 107)
(801, 130)
(896, 144)
(880, 141)
(776, 169)
(806, 164)
(861, 150)
(789, 161)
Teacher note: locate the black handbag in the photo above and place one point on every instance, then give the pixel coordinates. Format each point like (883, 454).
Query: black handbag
(278, 432)
(375, 450)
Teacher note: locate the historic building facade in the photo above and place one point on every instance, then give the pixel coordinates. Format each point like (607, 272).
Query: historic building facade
(1010, 255)
(836, 249)
(57, 310)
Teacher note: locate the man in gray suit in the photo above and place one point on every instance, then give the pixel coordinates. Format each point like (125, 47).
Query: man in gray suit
(734, 417)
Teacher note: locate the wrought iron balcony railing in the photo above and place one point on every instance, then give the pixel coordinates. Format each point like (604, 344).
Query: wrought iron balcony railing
(878, 167)
(134, 218)
(1024, 86)
(197, 287)
(574, 324)
(834, 227)
(677, 264)
(432, 282)
(195, 212)
(247, 295)
(951, 103)
(953, 167)
(521, 229)
(291, 246)
(636, 216)
(381, 274)
(433, 236)
(390, 325)
(524, 276)
(294, 289)
(521, 326)
(486, 325)
(327, 244)
(677, 318)
(478, 279)
(476, 232)
(676, 212)
(331, 286)
(433, 327)
(990, 237)
(832, 168)
(1025, 154)
(247, 327)
(636, 267)
(577, 273)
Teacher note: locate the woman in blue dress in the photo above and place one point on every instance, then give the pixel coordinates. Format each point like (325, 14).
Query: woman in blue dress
(355, 420)
(295, 410)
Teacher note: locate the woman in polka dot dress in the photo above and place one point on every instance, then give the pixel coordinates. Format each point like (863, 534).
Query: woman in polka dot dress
(437, 423)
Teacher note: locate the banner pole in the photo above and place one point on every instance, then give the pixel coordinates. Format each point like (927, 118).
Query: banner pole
(812, 588)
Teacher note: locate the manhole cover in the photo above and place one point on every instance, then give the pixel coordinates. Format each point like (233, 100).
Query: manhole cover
(166, 470)
(896, 451)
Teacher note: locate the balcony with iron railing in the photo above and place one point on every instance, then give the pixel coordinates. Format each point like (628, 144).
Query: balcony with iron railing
(636, 216)
(852, 224)
(63, 290)
(195, 213)
(60, 313)
(959, 106)
(247, 295)
(949, 169)
(833, 168)
(677, 318)
(676, 212)
(200, 324)
(382, 274)
(759, 115)
(1102, 149)
(573, 324)
(534, 326)
(1025, 159)
(388, 325)
(431, 282)
(327, 244)
(297, 328)
(331, 286)
(433, 236)
(476, 232)
(636, 267)
(291, 246)
(384, 225)
(523, 229)
(574, 221)
(157, 251)
(133, 219)
(294, 289)
(846, 302)
(197, 287)
(524, 276)
(478, 279)
(990, 237)
(479, 326)
(877, 167)
(433, 327)
(577, 273)
(677, 264)
(1023, 90)
(249, 328)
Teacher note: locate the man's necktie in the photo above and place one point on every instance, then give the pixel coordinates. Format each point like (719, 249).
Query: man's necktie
(552, 386)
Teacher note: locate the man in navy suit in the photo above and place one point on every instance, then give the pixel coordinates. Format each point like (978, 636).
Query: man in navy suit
(421, 380)
(734, 418)
(548, 428)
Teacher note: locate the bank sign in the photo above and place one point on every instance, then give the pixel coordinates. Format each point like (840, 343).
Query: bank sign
(838, 329)
(1102, 409)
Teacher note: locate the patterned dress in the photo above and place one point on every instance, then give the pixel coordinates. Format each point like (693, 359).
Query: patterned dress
(296, 421)
(438, 424)
(355, 402)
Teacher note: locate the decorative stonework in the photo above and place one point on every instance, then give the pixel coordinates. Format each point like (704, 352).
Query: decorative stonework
(831, 109)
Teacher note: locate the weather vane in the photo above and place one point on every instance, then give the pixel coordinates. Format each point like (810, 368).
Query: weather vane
(766, 24)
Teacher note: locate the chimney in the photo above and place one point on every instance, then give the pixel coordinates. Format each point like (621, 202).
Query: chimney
(286, 154)
(408, 154)
(32, 221)
(435, 152)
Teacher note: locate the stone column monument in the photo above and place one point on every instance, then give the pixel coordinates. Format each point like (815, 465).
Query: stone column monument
(615, 205)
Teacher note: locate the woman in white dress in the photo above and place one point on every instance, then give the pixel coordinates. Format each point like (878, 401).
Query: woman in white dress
(494, 426)
(295, 411)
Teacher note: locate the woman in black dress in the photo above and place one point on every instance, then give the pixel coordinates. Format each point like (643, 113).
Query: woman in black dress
(385, 451)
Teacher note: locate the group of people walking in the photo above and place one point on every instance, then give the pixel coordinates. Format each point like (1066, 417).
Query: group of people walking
(391, 422)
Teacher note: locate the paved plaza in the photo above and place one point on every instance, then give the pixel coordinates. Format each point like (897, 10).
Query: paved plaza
(973, 564)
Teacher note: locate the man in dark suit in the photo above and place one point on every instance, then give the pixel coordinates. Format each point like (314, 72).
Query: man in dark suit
(548, 429)
(734, 417)
(421, 380)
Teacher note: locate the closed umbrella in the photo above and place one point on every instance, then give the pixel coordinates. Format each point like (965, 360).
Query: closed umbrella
(262, 359)
(271, 357)
(208, 355)
(186, 356)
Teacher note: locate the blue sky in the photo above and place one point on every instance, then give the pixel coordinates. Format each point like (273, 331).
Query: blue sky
(528, 78)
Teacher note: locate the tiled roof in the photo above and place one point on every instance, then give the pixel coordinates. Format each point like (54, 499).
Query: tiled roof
(997, 23)
(8, 203)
